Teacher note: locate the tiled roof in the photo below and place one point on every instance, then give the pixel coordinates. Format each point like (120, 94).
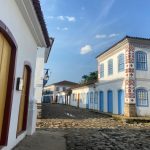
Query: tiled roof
(38, 10)
(126, 37)
(68, 83)
(85, 84)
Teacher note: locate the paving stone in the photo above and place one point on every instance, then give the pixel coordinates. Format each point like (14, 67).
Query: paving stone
(86, 130)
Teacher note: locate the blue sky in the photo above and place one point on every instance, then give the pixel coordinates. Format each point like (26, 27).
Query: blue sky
(84, 28)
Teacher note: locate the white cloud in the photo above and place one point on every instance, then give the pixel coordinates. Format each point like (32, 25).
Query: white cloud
(100, 36)
(50, 17)
(62, 29)
(71, 18)
(61, 18)
(65, 29)
(113, 35)
(107, 8)
(85, 49)
(58, 28)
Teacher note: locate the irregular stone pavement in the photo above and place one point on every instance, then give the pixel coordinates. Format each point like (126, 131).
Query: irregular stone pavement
(85, 130)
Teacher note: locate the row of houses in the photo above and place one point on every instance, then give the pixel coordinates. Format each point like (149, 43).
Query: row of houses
(123, 85)
(24, 48)
(50, 92)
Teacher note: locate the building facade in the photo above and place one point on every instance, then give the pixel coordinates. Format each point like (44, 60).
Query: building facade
(50, 92)
(42, 58)
(124, 77)
(123, 85)
(22, 31)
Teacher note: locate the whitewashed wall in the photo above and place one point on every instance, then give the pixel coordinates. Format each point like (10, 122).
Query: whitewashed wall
(26, 52)
(143, 74)
(114, 86)
(39, 74)
(143, 81)
(81, 90)
(144, 110)
(116, 74)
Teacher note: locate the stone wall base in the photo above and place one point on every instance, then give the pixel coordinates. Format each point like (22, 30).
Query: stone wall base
(130, 110)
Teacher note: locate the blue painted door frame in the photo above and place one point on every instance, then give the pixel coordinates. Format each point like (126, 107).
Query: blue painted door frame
(120, 102)
(101, 101)
(110, 101)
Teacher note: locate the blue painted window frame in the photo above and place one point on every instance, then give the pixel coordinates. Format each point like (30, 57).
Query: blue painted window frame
(121, 63)
(141, 97)
(141, 61)
(101, 70)
(110, 67)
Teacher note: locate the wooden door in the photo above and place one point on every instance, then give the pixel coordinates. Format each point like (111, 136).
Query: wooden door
(5, 54)
(22, 119)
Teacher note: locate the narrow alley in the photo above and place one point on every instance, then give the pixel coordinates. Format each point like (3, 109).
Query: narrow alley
(64, 127)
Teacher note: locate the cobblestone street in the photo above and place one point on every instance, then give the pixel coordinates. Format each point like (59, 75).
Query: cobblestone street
(85, 130)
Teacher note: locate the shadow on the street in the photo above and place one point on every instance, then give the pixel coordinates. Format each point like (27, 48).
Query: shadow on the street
(87, 139)
(59, 111)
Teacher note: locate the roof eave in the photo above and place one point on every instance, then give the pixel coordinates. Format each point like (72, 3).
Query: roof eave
(48, 50)
(31, 18)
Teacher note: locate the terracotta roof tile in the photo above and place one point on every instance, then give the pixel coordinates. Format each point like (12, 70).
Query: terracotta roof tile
(38, 10)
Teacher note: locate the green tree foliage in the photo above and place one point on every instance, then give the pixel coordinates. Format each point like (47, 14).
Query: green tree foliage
(90, 77)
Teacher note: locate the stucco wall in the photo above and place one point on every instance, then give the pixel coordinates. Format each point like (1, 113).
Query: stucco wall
(143, 74)
(39, 74)
(114, 86)
(115, 74)
(82, 90)
(143, 80)
(26, 52)
(144, 110)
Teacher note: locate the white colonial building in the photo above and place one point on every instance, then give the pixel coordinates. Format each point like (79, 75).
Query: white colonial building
(22, 31)
(42, 58)
(124, 77)
(123, 85)
(50, 92)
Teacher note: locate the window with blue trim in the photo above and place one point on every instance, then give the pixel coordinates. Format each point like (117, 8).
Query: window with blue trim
(141, 60)
(101, 70)
(110, 67)
(121, 63)
(142, 97)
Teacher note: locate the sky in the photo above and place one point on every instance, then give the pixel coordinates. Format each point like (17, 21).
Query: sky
(84, 28)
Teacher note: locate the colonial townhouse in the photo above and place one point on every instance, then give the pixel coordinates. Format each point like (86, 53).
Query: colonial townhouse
(22, 32)
(51, 92)
(85, 96)
(123, 85)
(124, 77)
